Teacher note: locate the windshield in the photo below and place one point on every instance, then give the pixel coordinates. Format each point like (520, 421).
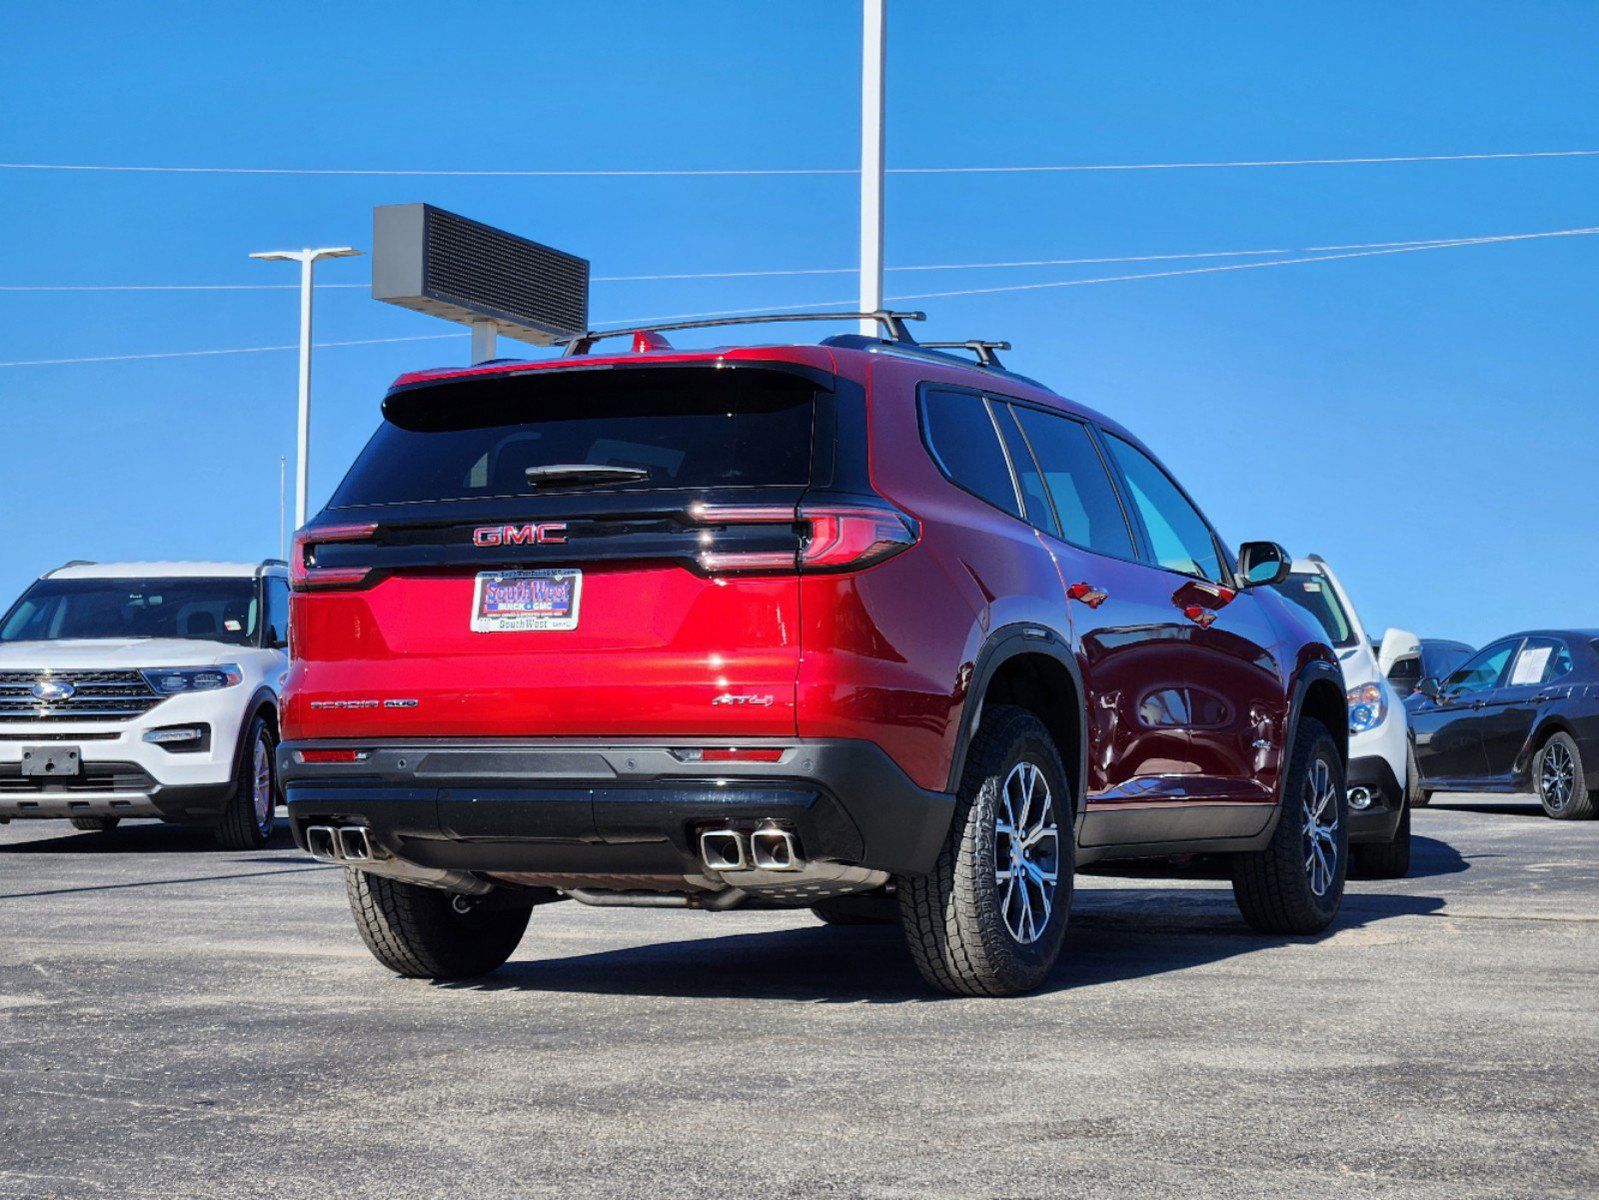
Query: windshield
(635, 429)
(1315, 595)
(212, 610)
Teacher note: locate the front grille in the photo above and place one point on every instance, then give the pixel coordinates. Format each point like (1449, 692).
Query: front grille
(97, 696)
(95, 777)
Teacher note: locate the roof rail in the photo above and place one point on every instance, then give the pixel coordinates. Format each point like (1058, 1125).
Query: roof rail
(984, 350)
(893, 324)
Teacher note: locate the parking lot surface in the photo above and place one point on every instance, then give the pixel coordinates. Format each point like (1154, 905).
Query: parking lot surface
(179, 1022)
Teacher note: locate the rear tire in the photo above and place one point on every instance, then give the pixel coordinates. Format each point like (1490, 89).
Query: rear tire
(251, 813)
(1420, 797)
(1384, 860)
(857, 910)
(1562, 788)
(1295, 885)
(425, 933)
(95, 824)
(989, 919)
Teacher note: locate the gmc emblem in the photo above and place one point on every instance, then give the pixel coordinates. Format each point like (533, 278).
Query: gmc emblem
(546, 533)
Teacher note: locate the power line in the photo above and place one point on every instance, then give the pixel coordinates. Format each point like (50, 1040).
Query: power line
(791, 271)
(1400, 248)
(104, 358)
(703, 172)
(1276, 262)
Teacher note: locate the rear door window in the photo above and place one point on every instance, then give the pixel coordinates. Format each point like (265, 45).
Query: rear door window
(666, 429)
(1090, 514)
(965, 445)
(1035, 495)
(1540, 660)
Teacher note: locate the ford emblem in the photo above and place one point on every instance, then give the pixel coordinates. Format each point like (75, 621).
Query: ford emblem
(51, 690)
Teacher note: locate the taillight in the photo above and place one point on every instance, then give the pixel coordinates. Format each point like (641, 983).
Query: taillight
(304, 573)
(847, 538)
(832, 537)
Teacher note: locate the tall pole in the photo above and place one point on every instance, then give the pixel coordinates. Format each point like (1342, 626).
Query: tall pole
(307, 259)
(283, 506)
(874, 44)
(303, 438)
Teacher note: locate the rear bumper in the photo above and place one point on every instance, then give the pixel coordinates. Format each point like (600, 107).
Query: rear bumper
(541, 807)
(1378, 822)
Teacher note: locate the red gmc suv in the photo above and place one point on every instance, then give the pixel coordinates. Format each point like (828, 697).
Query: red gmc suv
(865, 627)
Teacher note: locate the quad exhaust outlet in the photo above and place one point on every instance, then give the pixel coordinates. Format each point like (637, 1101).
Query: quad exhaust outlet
(339, 843)
(769, 848)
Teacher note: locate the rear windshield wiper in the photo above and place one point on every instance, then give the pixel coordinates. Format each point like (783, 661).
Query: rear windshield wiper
(557, 474)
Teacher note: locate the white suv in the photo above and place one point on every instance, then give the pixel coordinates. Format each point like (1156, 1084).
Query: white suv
(1381, 777)
(145, 690)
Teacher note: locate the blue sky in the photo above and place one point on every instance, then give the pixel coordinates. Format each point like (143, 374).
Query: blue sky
(1425, 420)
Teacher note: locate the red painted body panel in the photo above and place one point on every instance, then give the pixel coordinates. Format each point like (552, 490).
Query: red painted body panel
(655, 648)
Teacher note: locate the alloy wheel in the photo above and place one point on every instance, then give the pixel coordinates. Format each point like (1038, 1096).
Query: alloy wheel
(1557, 777)
(1321, 827)
(261, 784)
(1026, 852)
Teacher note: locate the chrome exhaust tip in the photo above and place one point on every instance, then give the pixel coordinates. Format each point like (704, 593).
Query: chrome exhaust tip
(354, 845)
(322, 843)
(775, 850)
(723, 850)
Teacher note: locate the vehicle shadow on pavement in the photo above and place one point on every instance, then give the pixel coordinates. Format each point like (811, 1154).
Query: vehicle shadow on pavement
(1430, 857)
(137, 837)
(1115, 934)
(1511, 806)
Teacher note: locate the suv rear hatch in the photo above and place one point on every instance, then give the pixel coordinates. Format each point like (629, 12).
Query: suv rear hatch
(565, 551)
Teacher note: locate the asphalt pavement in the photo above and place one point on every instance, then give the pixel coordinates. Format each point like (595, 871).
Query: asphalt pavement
(181, 1022)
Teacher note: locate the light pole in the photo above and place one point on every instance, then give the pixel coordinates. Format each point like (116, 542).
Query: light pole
(874, 41)
(307, 260)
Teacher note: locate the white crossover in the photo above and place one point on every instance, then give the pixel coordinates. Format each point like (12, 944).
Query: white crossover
(1379, 776)
(145, 689)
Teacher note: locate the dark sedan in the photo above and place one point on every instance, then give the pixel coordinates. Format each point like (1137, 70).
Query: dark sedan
(1522, 714)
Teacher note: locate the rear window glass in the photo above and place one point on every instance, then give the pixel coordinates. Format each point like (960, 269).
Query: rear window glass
(480, 438)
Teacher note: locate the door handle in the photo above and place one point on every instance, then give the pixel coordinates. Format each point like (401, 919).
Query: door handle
(1088, 594)
(1203, 617)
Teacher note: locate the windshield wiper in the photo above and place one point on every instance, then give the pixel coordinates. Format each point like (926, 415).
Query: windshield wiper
(573, 473)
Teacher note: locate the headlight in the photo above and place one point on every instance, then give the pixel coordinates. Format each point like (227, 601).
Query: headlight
(1367, 707)
(169, 681)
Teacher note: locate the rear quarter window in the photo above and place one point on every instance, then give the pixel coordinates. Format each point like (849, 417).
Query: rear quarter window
(964, 444)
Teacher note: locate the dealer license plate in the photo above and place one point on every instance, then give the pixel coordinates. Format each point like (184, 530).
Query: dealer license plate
(515, 601)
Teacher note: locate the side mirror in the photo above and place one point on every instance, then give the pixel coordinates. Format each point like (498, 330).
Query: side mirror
(1263, 563)
(1430, 688)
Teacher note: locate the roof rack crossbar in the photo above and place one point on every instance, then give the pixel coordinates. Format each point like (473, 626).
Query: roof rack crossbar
(984, 350)
(893, 324)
